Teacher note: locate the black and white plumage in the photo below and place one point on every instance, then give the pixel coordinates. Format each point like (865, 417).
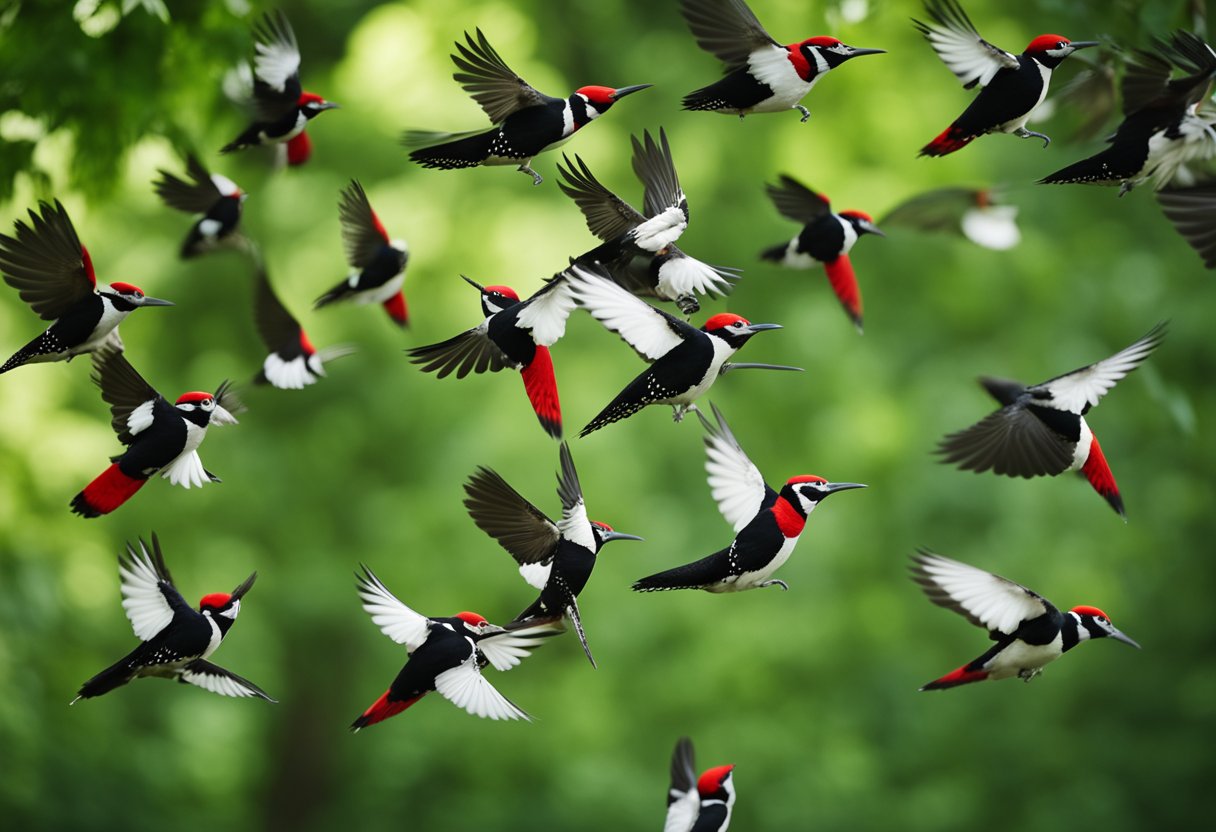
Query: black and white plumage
(639, 249)
(176, 639)
(446, 655)
(526, 121)
(762, 76)
(767, 523)
(1028, 629)
(1041, 429)
(979, 214)
(377, 262)
(1011, 86)
(293, 362)
(556, 558)
(1193, 214)
(1163, 130)
(685, 361)
(53, 273)
(698, 804)
(217, 198)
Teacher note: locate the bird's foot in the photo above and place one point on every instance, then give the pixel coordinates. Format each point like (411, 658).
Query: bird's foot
(688, 304)
(806, 114)
(536, 177)
(678, 411)
(784, 586)
(1028, 673)
(1126, 187)
(1023, 133)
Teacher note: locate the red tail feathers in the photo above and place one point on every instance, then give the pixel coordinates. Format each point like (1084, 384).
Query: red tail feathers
(541, 386)
(382, 709)
(950, 140)
(844, 284)
(1098, 473)
(954, 678)
(106, 493)
(299, 149)
(397, 310)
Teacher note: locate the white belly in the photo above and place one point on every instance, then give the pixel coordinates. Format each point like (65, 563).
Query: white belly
(1020, 656)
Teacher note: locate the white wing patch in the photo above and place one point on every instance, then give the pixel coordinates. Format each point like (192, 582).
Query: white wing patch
(395, 619)
(1085, 387)
(771, 66)
(640, 325)
(275, 62)
(575, 526)
(536, 574)
(734, 481)
(969, 57)
(683, 811)
(217, 683)
(289, 375)
(660, 231)
(998, 603)
(142, 600)
(681, 276)
(140, 418)
(994, 227)
(507, 650)
(546, 315)
(224, 185)
(187, 470)
(466, 688)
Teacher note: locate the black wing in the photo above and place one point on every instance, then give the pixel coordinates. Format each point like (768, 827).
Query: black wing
(725, 28)
(275, 324)
(1193, 213)
(1011, 441)
(196, 197)
(276, 67)
(796, 201)
(470, 351)
(363, 235)
(46, 263)
(490, 82)
(124, 390)
(653, 165)
(608, 216)
(502, 513)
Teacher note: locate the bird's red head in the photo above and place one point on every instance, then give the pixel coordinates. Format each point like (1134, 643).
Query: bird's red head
(804, 478)
(309, 98)
(603, 526)
(127, 289)
(196, 397)
(214, 601)
(861, 215)
(599, 96)
(505, 291)
(821, 40)
(1043, 43)
(711, 780)
(1092, 611)
(722, 320)
(471, 618)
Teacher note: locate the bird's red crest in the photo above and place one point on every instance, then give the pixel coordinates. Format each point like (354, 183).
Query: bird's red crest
(723, 320)
(215, 601)
(126, 288)
(822, 40)
(471, 618)
(711, 780)
(804, 478)
(861, 215)
(505, 291)
(603, 526)
(196, 396)
(1045, 42)
(597, 95)
(1094, 611)
(309, 97)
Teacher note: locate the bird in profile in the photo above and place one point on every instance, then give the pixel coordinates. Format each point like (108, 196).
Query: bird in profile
(293, 362)
(1041, 428)
(698, 804)
(977, 214)
(639, 250)
(176, 640)
(1028, 630)
(526, 121)
(826, 239)
(762, 75)
(216, 198)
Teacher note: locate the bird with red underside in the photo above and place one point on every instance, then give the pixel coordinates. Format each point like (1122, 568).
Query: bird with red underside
(217, 198)
(556, 558)
(767, 523)
(515, 334)
(293, 362)
(698, 804)
(176, 640)
(762, 75)
(377, 262)
(446, 655)
(1011, 86)
(161, 438)
(639, 250)
(684, 361)
(281, 107)
(826, 239)
(526, 121)
(50, 269)
(1028, 630)
(1041, 428)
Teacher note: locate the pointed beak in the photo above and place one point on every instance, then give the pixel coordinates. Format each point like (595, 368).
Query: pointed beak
(871, 228)
(620, 536)
(833, 487)
(147, 301)
(617, 95)
(328, 105)
(1084, 44)
(1119, 636)
(240, 591)
(762, 327)
(859, 51)
(473, 283)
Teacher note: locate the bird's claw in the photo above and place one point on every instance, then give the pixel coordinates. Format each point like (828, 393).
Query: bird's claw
(1028, 673)
(679, 410)
(806, 114)
(1030, 134)
(536, 177)
(784, 586)
(688, 304)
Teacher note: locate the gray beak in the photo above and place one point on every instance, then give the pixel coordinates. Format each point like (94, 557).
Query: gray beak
(617, 95)
(147, 301)
(1118, 636)
(328, 105)
(762, 327)
(858, 51)
(473, 283)
(620, 536)
(871, 228)
(833, 487)
(244, 587)
(1084, 44)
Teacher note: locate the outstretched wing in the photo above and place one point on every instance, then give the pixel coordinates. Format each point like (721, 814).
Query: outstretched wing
(276, 67)
(1193, 213)
(194, 197)
(212, 677)
(683, 801)
(148, 596)
(363, 235)
(545, 313)
(46, 263)
(650, 331)
(608, 216)
(501, 512)
(395, 619)
(132, 400)
(726, 28)
(1083, 388)
(490, 82)
(796, 201)
(507, 649)
(1012, 442)
(465, 687)
(955, 40)
(654, 167)
(735, 482)
(986, 600)
(470, 351)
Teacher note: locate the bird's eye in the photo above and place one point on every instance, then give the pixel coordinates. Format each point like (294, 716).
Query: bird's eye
(137, 293)
(208, 404)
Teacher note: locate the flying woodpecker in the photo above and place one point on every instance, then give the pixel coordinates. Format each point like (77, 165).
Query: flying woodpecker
(217, 198)
(293, 362)
(698, 804)
(978, 214)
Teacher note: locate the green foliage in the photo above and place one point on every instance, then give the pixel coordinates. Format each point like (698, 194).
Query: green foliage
(811, 692)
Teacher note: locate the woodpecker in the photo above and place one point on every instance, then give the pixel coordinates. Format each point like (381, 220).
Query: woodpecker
(978, 214)
(515, 334)
(1028, 630)
(1041, 429)
(686, 361)
(1193, 213)
(825, 239)
(526, 121)
(762, 76)
(281, 107)
(216, 197)
(446, 655)
(53, 273)
(160, 437)
(556, 558)
(176, 640)
(377, 263)
(1012, 85)
(293, 362)
(639, 250)
(1162, 130)
(767, 523)
(698, 804)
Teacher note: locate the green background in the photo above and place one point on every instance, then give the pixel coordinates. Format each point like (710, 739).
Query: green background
(812, 693)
